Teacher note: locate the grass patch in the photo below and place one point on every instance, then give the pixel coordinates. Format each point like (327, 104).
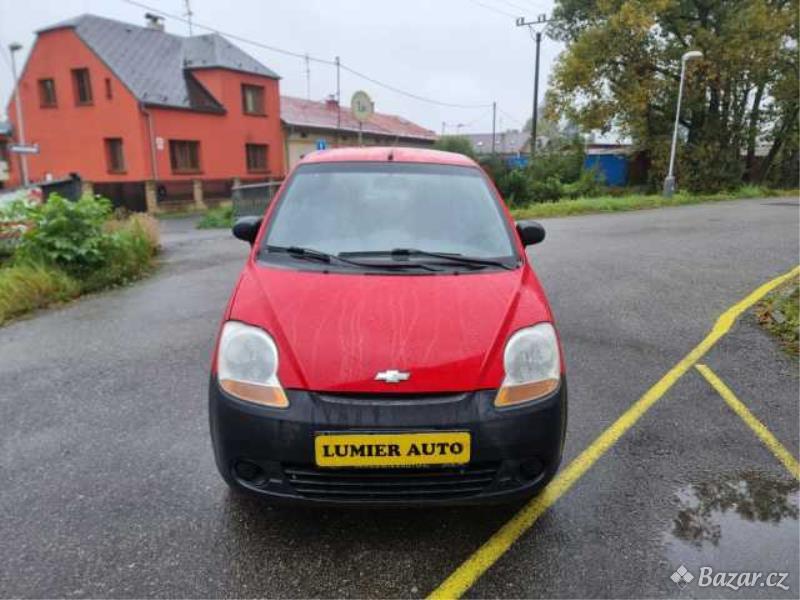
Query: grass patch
(220, 217)
(30, 286)
(606, 204)
(779, 313)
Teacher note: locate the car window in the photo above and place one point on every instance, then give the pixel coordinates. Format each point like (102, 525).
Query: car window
(362, 207)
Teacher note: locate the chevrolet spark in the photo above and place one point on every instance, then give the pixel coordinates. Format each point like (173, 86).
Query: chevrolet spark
(388, 342)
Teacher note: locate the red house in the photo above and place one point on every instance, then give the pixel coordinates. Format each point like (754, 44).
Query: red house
(147, 117)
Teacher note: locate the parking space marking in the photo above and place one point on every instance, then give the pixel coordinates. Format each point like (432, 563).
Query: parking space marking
(764, 434)
(465, 576)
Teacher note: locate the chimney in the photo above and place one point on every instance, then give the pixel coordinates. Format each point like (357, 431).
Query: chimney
(154, 21)
(331, 103)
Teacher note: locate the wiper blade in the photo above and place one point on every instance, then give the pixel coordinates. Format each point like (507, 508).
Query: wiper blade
(459, 258)
(313, 254)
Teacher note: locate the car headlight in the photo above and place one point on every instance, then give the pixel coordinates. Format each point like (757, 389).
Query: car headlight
(532, 364)
(247, 365)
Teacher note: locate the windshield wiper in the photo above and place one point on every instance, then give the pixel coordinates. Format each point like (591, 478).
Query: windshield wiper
(458, 258)
(325, 257)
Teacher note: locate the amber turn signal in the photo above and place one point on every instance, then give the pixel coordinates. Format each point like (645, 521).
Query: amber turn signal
(525, 392)
(258, 394)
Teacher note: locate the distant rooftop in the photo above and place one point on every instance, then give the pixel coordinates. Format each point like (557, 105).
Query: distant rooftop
(506, 142)
(155, 65)
(323, 115)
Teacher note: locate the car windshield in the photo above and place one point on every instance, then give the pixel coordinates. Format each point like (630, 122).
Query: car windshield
(390, 211)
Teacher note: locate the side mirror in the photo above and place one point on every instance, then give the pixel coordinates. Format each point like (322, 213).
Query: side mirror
(530, 232)
(246, 228)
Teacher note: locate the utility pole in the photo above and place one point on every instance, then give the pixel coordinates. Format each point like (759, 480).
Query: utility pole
(521, 22)
(189, 14)
(308, 77)
(13, 48)
(443, 126)
(338, 100)
(494, 122)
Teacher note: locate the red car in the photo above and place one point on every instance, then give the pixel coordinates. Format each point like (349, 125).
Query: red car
(388, 341)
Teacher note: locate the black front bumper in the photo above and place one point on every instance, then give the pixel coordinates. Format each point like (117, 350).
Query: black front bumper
(270, 451)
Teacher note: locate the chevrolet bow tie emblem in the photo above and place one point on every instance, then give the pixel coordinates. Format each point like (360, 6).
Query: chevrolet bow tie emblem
(392, 376)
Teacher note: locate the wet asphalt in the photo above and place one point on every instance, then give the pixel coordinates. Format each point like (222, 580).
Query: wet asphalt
(108, 486)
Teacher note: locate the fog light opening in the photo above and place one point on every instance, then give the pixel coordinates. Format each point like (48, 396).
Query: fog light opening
(531, 468)
(249, 472)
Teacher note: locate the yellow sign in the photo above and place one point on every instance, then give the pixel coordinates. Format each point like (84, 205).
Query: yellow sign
(392, 449)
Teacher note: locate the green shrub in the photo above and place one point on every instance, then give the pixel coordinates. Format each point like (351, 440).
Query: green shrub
(588, 185)
(25, 287)
(67, 234)
(515, 187)
(129, 253)
(548, 189)
(73, 247)
(220, 217)
(455, 143)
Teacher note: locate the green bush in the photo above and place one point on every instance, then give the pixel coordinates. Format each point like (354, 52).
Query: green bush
(220, 217)
(67, 234)
(28, 286)
(73, 247)
(548, 189)
(129, 252)
(455, 143)
(515, 187)
(588, 185)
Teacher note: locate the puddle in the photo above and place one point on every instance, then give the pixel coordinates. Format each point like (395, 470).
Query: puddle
(746, 521)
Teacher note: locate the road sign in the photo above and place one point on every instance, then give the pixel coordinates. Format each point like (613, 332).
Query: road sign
(24, 148)
(322, 144)
(361, 106)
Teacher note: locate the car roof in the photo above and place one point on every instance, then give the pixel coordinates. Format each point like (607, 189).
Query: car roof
(388, 153)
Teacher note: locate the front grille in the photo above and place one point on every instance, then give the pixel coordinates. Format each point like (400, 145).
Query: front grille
(390, 484)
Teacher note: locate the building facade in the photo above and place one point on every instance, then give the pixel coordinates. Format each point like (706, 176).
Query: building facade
(147, 117)
(310, 125)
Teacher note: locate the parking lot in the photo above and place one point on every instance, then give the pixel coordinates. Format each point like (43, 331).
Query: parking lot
(109, 487)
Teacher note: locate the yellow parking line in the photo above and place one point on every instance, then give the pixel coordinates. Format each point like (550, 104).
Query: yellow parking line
(465, 576)
(764, 434)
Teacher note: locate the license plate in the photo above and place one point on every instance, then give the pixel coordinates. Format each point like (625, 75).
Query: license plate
(392, 449)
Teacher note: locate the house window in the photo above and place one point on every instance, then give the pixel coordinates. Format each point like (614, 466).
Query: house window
(83, 86)
(253, 100)
(256, 157)
(47, 93)
(109, 91)
(115, 159)
(184, 156)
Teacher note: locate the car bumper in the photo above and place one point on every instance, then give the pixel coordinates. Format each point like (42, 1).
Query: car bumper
(270, 452)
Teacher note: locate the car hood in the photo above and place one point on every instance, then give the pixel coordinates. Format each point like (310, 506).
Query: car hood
(335, 332)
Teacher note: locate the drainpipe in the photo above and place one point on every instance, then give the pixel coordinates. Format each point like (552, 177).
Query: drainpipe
(152, 139)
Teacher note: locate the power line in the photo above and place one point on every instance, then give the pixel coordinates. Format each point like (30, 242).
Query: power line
(232, 36)
(308, 57)
(409, 94)
(512, 117)
(515, 6)
(494, 9)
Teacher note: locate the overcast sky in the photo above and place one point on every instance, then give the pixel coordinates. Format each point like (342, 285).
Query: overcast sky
(454, 51)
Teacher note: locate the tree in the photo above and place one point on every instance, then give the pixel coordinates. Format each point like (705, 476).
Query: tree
(621, 69)
(455, 143)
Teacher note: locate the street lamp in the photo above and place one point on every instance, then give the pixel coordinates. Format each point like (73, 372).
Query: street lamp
(669, 182)
(23, 159)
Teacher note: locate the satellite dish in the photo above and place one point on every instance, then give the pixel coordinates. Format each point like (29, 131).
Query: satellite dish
(361, 106)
